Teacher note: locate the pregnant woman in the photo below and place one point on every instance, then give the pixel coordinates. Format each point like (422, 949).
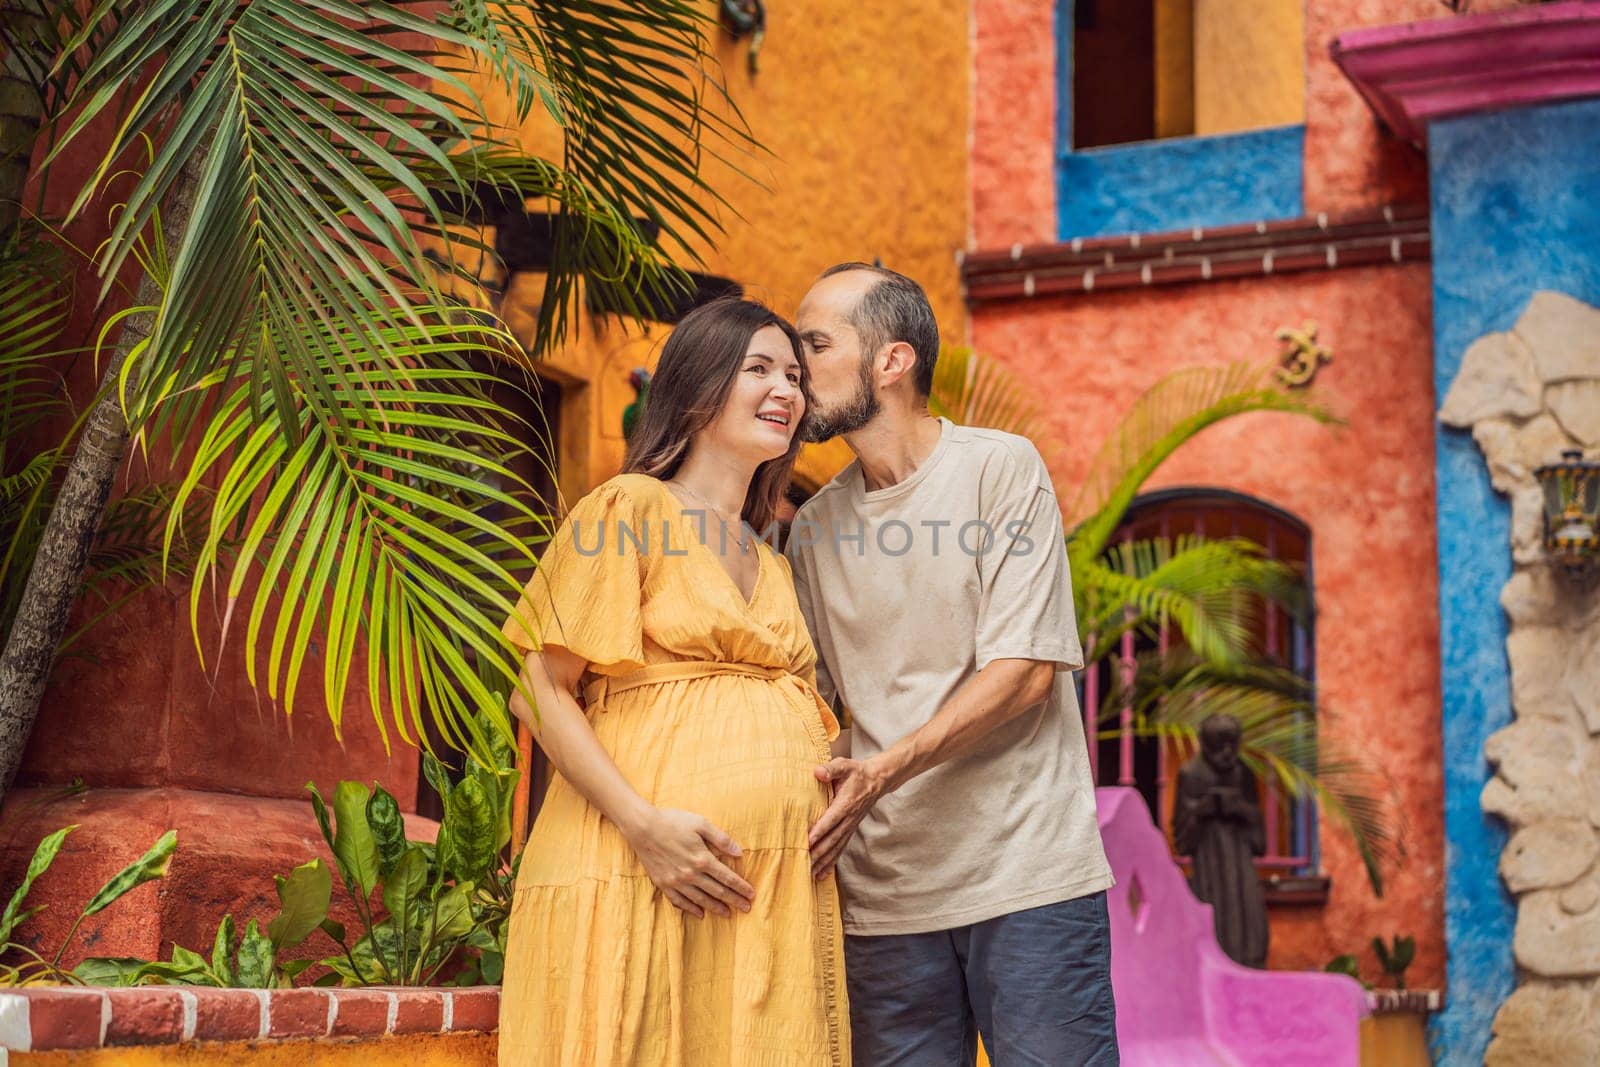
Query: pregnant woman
(665, 912)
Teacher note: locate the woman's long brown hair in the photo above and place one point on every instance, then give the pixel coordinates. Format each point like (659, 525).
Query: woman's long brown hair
(692, 381)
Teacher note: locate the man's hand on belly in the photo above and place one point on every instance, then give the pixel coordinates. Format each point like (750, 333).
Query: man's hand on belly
(857, 785)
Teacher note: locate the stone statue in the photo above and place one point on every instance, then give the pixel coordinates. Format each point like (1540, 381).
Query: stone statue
(1218, 825)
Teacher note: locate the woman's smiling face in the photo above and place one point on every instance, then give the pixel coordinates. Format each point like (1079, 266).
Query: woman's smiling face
(765, 403)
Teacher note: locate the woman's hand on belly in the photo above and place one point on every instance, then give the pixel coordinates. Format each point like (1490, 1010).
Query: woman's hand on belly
(680, 851)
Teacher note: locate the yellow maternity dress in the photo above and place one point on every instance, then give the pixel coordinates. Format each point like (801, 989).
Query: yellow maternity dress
(707, 703)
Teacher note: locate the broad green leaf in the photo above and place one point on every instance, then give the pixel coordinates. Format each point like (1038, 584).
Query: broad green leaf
(379, 952)
(222, 948)
(147, 868)
(388, 828)
(256, 958)
(437, 776)
(293, 969)
(304, 897)
(401, 891)
(109, 971)
(473, 824)
(185, 968)
(341, 973)
(452, 914)
(333, 929)
(44, 854)
(321, 810)
(353, 843)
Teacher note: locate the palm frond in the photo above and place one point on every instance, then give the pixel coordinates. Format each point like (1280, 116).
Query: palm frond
(973, 390)
(1214, 590)
(409, 530)
(1281, 743)
(1171, 413)
(33, 310)
(34, 304)
(334, 137)
(642, 109)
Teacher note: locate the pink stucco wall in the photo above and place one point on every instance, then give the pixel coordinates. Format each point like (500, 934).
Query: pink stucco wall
(1013, 122)
(1365, 489)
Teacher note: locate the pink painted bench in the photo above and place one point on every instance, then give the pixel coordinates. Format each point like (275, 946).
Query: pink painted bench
(1180, 1001)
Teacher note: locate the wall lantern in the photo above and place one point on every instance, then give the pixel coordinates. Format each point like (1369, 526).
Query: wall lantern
(1572, 510)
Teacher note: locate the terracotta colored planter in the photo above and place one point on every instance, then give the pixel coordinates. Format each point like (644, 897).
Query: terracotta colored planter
(1396, 1033)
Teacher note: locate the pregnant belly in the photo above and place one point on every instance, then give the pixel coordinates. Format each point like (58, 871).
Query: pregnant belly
(740, 755)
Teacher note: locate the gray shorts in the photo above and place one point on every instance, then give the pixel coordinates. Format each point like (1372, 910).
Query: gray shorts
(1036, 984)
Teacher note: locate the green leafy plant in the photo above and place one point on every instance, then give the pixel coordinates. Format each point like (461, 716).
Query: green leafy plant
(37, 969)
(1395, 956)
(442, 899)
(248, 960)
(1347, 964)
(446, 902)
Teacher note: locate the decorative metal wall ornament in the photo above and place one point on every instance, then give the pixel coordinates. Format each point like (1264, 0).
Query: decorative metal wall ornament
(1301, 357)
(746, 18)
(1572, 511)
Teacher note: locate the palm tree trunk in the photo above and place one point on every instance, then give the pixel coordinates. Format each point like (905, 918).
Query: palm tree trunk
(57, 572)
(21, 102)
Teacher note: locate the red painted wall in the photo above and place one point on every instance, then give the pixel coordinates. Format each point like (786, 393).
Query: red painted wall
(131, 706)
(1366, 489)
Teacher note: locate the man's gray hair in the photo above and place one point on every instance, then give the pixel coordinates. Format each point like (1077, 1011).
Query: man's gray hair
(895, 309)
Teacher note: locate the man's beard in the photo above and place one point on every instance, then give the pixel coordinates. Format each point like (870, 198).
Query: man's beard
(849, 416)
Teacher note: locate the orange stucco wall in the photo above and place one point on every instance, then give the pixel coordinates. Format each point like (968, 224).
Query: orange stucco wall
(862, 156)
(1366, 490)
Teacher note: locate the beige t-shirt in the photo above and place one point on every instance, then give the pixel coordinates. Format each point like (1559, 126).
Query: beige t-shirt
(909, 591)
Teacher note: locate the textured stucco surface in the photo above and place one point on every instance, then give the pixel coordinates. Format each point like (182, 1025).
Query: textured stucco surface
(1546, 782)
(229, 848)
(1013, 122)
(1245, 77)
(1348, 162)
(862, 157)
(1514, 210)
(1366, 491)
(1160, 186)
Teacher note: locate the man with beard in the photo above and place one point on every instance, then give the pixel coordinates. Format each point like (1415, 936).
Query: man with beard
(933, 576)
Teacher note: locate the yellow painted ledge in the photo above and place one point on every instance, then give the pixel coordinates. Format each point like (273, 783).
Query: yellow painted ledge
(413, 1050)
(1397, 1039)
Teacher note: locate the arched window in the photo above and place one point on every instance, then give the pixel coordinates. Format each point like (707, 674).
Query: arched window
(1151, 765)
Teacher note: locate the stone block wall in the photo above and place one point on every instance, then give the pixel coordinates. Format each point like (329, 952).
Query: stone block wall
(1526, 394)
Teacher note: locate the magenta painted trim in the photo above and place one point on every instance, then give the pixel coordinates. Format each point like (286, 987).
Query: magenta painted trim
(1415, 72)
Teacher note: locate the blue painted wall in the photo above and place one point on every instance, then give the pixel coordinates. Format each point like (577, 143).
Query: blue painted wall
(1516, 207)
(1173, 184)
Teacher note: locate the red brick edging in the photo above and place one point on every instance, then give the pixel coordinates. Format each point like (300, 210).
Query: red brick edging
(1404, 1001)
(63, 1017)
